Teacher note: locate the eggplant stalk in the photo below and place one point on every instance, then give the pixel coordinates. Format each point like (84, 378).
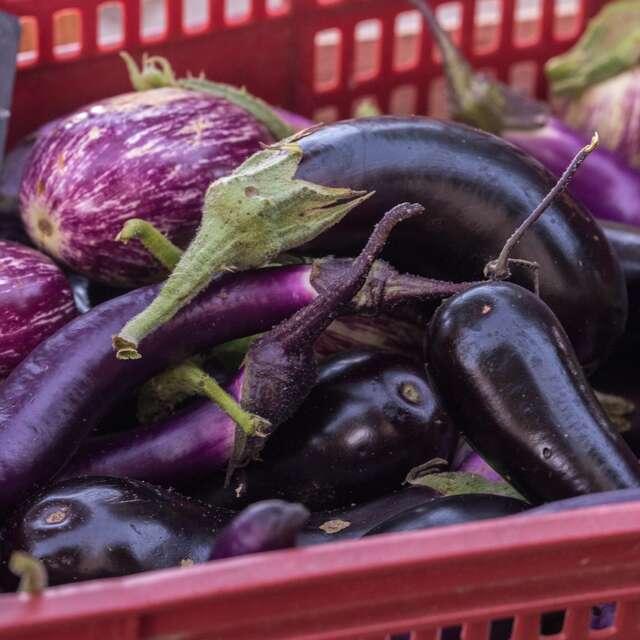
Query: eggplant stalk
(249, 217)
(157, 244)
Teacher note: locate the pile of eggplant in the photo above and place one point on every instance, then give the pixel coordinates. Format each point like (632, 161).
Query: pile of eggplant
(224, 331)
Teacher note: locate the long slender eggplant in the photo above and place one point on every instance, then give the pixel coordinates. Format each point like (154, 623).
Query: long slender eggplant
(609, 187)
(477, 189)
(442, 512)
(512, 383)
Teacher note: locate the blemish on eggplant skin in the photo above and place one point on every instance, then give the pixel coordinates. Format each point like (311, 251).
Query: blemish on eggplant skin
(486, 309)
(251, 192)
(45, 227)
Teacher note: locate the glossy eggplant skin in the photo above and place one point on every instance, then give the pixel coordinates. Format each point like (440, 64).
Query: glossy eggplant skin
(476, 189)
(511, 382)
(450, 510)
(625, 241)
(101, 527)
(370, 418)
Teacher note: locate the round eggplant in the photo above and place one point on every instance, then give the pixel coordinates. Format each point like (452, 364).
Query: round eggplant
(450, 510)
(369, 419)
(36, 302)
(512, 383)
(150, 155)
(99, 527)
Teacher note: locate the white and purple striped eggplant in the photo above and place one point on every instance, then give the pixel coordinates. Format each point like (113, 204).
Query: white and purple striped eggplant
(150, 155)
(35, 301)
(596, 84)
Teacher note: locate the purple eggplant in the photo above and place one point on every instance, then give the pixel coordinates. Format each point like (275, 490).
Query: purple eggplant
(476, 188)
(148, 155)
(476, 464)
(369, 419)
(264, 526)
(511, 382)
(608, 186)
(36, 302)
(61, 392)
(89, 528)
(450, 510)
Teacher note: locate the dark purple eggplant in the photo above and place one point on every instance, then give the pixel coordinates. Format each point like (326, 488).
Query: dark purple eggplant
(148, 155)
(625, 241)
(369, 419)
(511, 381)
(102, 527)
(36, 301)
(476, 188)
(450, 510)
(263, 526)
(352, 523)
(609, 187)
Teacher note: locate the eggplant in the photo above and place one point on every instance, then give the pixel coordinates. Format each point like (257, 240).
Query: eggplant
(608, 187)
(60, 392)
(36, 302)
(101, 527)
(148, 155)
(279, 372)
(369, 419)
(353, 522)
(474, 463)
(595, 85)
(625, 241)
(476, 188)
(511, 382)
(264, 526)
(458, 509)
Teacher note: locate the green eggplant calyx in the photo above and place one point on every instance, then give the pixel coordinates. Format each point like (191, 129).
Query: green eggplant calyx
(154, 72)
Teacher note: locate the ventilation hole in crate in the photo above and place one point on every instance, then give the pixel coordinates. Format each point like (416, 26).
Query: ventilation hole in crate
(28, 47)
(237, 11)
(551, 623)
(488, 18)
(328, 46)
(528, 22)
(603, 616)
(501, 629)
(450, 18)
(407, 33)
(404, 100)
(438, 107)
(153, 20)
(523, 77)
(67, 33)
(451, 633)
(365, 107)
(368, 43)
(110, 25)
(278, 7)
(566, 19)
(326, 114)
(195, 16)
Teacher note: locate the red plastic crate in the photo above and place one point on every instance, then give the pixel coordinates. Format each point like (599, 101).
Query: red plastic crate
(323, 57)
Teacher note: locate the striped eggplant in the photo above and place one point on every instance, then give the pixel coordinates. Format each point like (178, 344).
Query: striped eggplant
(150, 155)
(35, 301)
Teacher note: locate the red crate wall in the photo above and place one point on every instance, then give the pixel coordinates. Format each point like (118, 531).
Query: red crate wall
(276, 49)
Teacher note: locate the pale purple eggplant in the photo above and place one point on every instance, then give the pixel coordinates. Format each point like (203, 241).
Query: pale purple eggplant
(35, 301)
(149, 155)
(264, 526)
(607, 185)
(595, 85)
(474, 463)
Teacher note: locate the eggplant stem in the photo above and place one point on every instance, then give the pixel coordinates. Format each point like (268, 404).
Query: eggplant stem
(498, 269)
(157, 244)
(189, 379)
(154, 72)
(258, 212)
(31, 571)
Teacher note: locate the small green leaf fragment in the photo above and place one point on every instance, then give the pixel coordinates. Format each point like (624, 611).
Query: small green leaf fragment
(453, 483)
